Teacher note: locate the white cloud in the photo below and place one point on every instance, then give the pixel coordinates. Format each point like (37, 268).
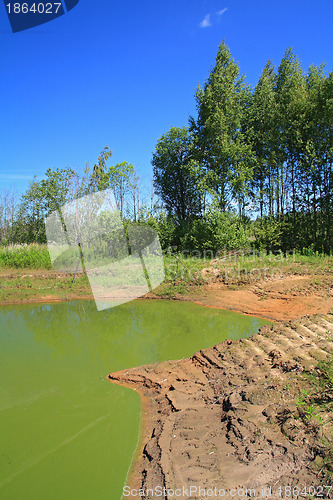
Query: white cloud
(14, 177)
(221, 12)
(205, 23)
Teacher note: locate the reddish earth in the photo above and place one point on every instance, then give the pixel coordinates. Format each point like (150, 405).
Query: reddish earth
(278, 299)
(234, 417)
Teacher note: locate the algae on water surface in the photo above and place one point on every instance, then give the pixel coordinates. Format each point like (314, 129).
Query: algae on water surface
(66, 432)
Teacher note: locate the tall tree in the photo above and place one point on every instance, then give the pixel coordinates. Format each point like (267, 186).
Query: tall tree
(262, 135)
(220, 141)
(8, 209)
(97, 179)
(309, 173)
(41, 198)
(176, 174)
(317, 182)
(122, 179)
(326, 97)
(290, 91)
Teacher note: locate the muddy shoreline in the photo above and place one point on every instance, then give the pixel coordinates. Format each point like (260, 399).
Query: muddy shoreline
(227, 417)
(279, 299)
(228, 413)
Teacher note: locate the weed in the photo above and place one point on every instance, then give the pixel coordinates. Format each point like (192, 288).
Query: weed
(329, 335)
(326, 369)
(25, 256)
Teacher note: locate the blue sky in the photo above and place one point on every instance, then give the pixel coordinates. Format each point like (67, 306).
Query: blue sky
(120, 73)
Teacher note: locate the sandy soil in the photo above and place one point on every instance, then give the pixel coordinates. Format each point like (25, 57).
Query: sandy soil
(232, 416)
(279, 299)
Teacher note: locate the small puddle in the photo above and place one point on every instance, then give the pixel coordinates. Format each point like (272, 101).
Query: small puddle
(67, 432)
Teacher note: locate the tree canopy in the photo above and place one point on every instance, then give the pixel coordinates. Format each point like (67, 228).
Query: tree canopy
(177, 175)
(255, 161)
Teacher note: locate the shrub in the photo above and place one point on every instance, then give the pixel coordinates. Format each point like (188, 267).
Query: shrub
(32, 256)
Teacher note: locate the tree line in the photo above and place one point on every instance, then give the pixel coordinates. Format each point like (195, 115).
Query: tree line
(252, 168)
(264, 153)
(22, 219)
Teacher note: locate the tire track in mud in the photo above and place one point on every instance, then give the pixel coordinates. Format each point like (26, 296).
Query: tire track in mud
(228, 416)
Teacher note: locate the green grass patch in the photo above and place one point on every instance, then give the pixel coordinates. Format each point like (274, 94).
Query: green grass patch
(25, 257)
(22, 288)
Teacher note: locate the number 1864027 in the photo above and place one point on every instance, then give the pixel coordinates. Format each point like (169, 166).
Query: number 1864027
(306, 491)
(35, 8)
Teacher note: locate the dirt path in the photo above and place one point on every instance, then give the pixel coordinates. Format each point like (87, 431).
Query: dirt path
(232, 417)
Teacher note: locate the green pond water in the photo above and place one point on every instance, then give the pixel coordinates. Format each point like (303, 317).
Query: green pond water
(66, 432)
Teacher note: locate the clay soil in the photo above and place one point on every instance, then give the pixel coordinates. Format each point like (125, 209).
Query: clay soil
(283, 298)
(287, 297)
(251, 418)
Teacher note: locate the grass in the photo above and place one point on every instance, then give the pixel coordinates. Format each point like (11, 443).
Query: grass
(36, 278)
(314, 407)
(41, 285)
(326, 369)
(184, 266)
(257, 266)
(25, 257)
(184, 273)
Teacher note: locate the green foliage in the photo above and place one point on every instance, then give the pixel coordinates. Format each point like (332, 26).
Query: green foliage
(122, 179)
(25, 257)
(266, 152)
(215, 231)
(261, 132)
(268, 232)
(97, 179)
(42, 198)
(326, 369)
(163, 224)
(176, 175)
(219, 134)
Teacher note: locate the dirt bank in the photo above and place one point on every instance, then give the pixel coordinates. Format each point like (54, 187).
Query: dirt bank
(235, 416)
(283, 298)
(20, 286)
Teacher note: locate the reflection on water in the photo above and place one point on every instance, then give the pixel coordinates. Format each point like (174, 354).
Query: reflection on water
(67, 432)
